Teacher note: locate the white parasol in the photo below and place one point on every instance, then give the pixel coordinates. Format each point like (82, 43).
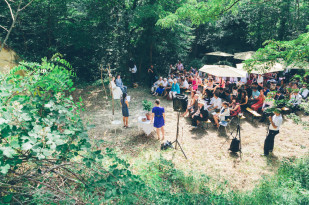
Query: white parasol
(219, 53)
(223, 71)
(261, 69)
(244, 55)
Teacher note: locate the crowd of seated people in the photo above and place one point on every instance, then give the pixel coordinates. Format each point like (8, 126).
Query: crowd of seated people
(219, 97)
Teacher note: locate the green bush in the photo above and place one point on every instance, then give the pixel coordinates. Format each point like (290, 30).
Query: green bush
(288, 186)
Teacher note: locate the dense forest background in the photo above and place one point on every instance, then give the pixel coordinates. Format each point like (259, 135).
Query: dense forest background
(120, 32)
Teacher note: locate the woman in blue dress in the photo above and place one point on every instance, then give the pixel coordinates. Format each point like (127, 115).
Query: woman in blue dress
(125, 110)
(158, 115)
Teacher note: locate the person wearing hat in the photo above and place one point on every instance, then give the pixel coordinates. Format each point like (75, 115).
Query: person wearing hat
(201, 115)
(275, 123)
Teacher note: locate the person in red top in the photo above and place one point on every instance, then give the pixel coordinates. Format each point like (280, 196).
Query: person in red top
(235, 107)
(221, 82)
(194, 84)
(260, 101)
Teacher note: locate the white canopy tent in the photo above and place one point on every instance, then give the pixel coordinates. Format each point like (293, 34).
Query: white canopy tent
(275, 68)
(222, 71)
(219, 53)
(244, 55)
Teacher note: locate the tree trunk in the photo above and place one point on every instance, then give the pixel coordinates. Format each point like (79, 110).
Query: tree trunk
(12, 26)
(150, 53)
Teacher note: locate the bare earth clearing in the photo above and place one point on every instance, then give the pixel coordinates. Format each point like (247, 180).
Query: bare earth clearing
(202, 145)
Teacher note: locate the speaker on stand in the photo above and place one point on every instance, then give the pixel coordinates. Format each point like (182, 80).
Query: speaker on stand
(180, 104)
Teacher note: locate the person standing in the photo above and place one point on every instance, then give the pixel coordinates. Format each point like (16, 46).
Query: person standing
(275, 123)
(125, 110)
(117, 92)
(158, 118)
(152, 75)
(133, 74)
(180, 67)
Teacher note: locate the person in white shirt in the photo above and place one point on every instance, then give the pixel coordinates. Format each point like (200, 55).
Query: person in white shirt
(117, 92)
(184, 85)
(216, 103)
(161, 87)
(224, 112)
(295, 98)
(133, 73)
(260, 80)
(304, 92)
(156, 84)
(275, 123)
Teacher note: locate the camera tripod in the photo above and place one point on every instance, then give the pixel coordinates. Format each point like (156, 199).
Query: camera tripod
(235, 133)
(177, 135)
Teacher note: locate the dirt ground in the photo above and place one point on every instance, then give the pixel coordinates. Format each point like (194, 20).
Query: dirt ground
(206, 148)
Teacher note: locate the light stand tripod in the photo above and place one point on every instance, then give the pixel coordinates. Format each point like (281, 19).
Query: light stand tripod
(177, 134)
(237, 133)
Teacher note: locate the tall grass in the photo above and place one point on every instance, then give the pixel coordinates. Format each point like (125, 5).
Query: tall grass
(167, 185)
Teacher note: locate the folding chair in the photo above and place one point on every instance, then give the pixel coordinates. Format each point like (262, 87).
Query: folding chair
(223, 124)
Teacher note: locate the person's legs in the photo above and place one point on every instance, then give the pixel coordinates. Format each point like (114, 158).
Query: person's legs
(194, 121)
(216, 119)
(158, 133)
(162, 130)
(124, 121)
(267, 144)
(272, 141)
(174, 94)
(127, 121)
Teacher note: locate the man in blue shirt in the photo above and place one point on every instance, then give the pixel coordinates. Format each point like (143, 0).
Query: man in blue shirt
(254, 96)
(255, 93)
(119, 83)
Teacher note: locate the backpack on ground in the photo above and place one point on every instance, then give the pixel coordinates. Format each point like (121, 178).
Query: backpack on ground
(235, 145)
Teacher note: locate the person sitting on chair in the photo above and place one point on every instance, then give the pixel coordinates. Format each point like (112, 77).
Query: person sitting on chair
(235, 107)
(224, 112)
(295, 99)
(216, 103)
(119, 84)
(201, 115)
(260, 101)
(184, 85)
(174, 90)
(193, 106)
(304, 92)
(156, 85)
(161, 87)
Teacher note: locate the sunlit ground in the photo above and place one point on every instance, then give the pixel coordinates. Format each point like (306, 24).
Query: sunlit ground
(206, 149)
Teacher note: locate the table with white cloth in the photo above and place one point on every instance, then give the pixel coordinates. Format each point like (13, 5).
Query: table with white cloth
(146, 126)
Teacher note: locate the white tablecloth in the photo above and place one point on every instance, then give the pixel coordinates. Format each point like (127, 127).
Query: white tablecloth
(146, 126)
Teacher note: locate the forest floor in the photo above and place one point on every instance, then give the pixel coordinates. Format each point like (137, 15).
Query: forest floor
(206, 149)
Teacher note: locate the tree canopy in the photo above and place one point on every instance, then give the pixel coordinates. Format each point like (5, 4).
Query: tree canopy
(144, 32)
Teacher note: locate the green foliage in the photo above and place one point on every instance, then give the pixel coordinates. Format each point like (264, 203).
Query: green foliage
(147, 105)
(294, 53)
(289, 186)
(37, 119)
